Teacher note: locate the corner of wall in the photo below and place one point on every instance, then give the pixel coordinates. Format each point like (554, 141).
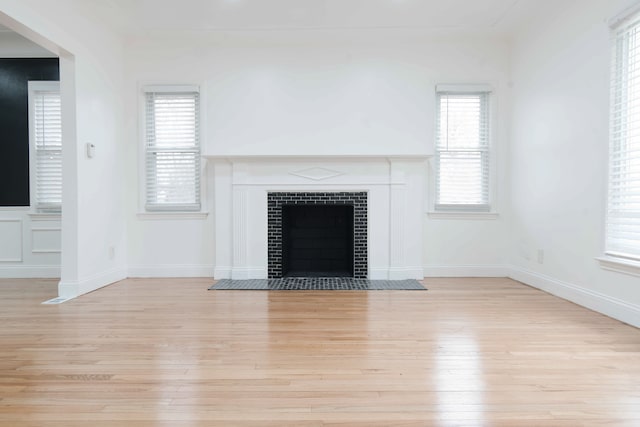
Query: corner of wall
(74, 288)
(604, 304)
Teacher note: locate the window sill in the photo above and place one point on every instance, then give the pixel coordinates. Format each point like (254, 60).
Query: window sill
(463, 215)
(40, 216)
(620, 265)
(164, 216)
(14, 208)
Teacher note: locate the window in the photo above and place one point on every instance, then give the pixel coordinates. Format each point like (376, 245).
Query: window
(623, 210)
(172, 148)
(462, 149)
(45, 144)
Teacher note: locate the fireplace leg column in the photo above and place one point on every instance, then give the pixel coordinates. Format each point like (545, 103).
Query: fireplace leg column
(397, 211)
(406, 220)
(223, 215)
(240, 269)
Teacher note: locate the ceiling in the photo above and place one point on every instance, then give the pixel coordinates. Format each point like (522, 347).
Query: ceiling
(501, 17)
(498, 16)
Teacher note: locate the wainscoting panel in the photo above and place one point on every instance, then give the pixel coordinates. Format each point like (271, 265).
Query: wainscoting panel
(11, 247)
(29, 244)
(46, 240)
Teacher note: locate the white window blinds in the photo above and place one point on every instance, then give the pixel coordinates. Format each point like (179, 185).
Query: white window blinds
(46, 139)
(172, 150)
(623, 212)
(462, 150)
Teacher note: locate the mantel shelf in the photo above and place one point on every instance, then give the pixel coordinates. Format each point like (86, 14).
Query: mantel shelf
(307, 157)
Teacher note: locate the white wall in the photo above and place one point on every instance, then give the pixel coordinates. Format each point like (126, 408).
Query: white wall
(91, 86)
(13, 45)
(559, 159)
(313, 92)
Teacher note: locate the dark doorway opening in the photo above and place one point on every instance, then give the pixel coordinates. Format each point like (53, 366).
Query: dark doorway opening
(317, 240)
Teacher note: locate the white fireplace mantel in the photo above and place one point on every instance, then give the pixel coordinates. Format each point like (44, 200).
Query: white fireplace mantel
(396, 188)
(420, 157)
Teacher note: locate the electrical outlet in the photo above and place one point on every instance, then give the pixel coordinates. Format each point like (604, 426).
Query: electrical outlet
(112, 252)
(540, 256)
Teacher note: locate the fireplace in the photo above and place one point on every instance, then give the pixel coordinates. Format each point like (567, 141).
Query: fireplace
(249, 194)
(317, 234)
(317, 241)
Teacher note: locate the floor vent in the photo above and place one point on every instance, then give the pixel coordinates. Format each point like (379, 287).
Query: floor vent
(58, 300)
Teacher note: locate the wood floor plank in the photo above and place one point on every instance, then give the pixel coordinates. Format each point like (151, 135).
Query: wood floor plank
(167, 352)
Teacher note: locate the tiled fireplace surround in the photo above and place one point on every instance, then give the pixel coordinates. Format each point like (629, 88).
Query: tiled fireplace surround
(393, 187)
(276, 200)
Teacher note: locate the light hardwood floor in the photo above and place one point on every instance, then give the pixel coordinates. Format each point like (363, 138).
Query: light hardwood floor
(468, 352)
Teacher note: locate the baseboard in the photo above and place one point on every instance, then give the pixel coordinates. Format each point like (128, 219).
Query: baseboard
(402, 273)
(29, 272)
(171, 270)
(74, 288)
(222, 272)
(245, 273)
(379, 273)
(609, 306)
(466, 271)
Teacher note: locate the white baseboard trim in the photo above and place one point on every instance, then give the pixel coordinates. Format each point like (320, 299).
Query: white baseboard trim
(74, 288)
(395, 273)
(609, 306)
(171, 270)
(379, 273)
(402, 273)
(246, 273)
(29, 272)
(223, 272)
(466, 270)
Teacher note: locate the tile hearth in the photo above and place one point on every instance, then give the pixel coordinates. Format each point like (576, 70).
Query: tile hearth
(318, 284)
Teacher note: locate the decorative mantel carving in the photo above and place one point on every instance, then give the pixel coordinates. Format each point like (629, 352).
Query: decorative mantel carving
(317, 174)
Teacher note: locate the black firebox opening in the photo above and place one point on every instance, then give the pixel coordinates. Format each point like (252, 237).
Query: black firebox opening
(317, 240)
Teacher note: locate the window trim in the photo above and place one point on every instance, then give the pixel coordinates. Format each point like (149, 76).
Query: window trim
(466, 216)
(465, 212)
(619, 265)
(612, 259)
(34, 86)
(620, 19)
(171, 212)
